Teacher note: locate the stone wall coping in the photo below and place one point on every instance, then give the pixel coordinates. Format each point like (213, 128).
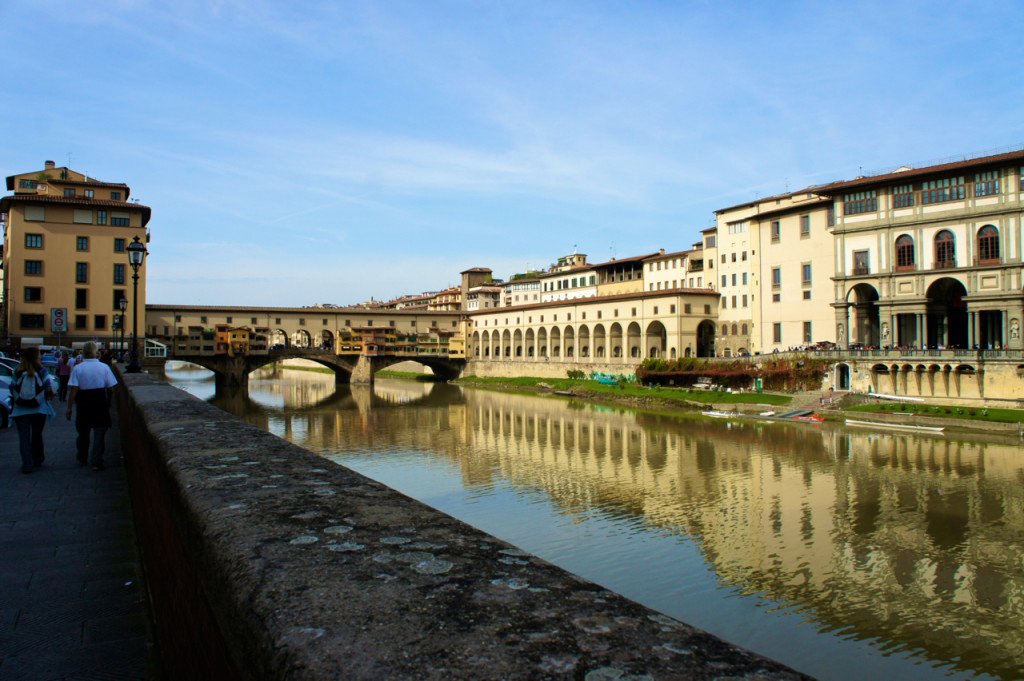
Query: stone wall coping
(313, 571)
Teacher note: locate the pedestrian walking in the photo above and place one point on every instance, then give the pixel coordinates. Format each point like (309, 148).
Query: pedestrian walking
(90, 385)
(63, 374)
(78, 358)
(31, 391)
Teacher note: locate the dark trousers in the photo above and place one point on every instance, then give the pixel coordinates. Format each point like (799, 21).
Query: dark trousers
(94, 455)
(30, 439)
(62, 392)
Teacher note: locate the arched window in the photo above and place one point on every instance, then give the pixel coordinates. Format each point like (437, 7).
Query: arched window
(988, 245)
(905, 253)
(945, 250)
(734, 329)
(725, 329)
(743, 329)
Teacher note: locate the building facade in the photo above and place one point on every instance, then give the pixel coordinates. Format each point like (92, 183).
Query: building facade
(65, 240)
(930, 257)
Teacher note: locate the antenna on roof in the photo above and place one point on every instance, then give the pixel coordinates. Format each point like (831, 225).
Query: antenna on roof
(69, 159)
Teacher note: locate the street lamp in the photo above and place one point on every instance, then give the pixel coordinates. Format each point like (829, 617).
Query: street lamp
(136, 254)
(123, 304)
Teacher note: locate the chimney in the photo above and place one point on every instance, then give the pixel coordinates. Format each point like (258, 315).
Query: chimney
(50, 165)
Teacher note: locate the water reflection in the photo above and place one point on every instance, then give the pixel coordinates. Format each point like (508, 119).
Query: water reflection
(902, 552)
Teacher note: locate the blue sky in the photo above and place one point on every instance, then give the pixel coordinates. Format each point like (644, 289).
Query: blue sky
(298, 153)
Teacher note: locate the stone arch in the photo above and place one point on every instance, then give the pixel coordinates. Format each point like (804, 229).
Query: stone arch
(486, 340)
(583, 340)
(517, 343)
(475, 350)
(615, 340)
(600, 341)
(531, 343)
(556, 342)
(542, 342)
(279, 339)
(706, 339)
(634, 340)
(301, 339)
(657, 339)
(946, 317)
(506, 344)
(326, 340)
(865, 323)
(569, 341)
(495, 344)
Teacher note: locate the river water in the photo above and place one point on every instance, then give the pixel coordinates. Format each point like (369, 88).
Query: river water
(844, 553)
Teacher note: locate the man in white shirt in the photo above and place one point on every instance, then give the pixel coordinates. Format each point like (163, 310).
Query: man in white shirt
(90, 385)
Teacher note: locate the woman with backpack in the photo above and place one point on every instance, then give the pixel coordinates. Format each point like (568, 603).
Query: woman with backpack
(30, 391)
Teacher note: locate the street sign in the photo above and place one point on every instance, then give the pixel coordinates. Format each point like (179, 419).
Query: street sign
(59, 319)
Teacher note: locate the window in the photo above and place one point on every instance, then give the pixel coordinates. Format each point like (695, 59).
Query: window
(325, 322)
(101, 217)
(32, 321)
(725, 280)
(35, 213)
(725, 329)
(743, 329)
(723, 258)
(938, 191)
(805, 226)
(734, 257)
(81, 298)
(988, 245)
(710, 241)
(82, 217)
(27, 184)
(33, 294)
(252, 320)
(99, 322)
(986, 184)
(905, 253)
(119, 294)
(903, 196)
(33, 267)
(81, 273)
(33, 241)
(671, 309)
(735, 329)
(202, 320)
(831, 216)
(687, 308)
(807, 294)
(776, 277)
(115, 196)
(277, 320)
(119, 247)
(655, 310)
(807, 332)
(744, 256)
(81, 322)
(744, 278)
(777, 332)
(734, 302)
(90, 193)
(707, 309)
(70, 192)
(860, 263)
(733, 278)
(744, 301)
(82, 243)
(776, 297)
(227, 320)
(120, 220)
(860, 202)
(302, 322)
(776, 231)
(805, 270)
(945, 249)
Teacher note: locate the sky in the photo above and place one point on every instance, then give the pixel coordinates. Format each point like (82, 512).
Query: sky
(329, 152)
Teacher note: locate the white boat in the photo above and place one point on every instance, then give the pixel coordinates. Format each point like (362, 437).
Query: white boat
(719, 414)
(896, 398)
(894, 426)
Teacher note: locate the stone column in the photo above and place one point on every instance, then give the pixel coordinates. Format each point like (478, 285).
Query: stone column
(363, 371)
(970, 329)
(1004, 330)
(843, 325)
(919, 323)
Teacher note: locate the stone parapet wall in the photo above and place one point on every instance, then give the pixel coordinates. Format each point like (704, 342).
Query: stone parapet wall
(267, 562)
(542, 369)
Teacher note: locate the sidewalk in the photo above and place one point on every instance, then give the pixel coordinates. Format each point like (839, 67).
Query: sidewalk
(72, 604)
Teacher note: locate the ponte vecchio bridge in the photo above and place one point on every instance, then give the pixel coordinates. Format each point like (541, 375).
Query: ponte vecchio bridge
(233, 341)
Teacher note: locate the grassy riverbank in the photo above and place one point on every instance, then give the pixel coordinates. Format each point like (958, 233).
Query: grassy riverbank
(628, 392)
(943, 411)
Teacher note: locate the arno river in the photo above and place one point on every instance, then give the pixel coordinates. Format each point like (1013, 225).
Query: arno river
(846, 554)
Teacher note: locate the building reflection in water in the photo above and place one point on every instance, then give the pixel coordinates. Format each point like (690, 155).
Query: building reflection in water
(916, 543)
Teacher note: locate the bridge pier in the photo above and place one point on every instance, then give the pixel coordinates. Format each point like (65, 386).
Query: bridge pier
(363, 371)
(231, 372)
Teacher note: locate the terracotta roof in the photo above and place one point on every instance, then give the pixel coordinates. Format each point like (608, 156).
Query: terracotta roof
(773, 197)
(796, 208)
(996, 159)
(75, 201)
(709, 230)
(619, 261)
(659, 256)
(597, 300)
(91, 183)
(562, 272)
(477, 269)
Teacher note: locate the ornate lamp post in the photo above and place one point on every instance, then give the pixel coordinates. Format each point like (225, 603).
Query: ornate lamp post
(123, 304)
(136, 254)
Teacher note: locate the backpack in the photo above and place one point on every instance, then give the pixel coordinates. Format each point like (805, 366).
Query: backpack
(28, 392)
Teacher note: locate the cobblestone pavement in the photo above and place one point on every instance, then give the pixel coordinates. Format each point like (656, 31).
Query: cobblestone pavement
(72, 604)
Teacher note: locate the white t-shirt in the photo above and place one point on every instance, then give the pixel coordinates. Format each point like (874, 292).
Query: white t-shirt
(92, 374)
